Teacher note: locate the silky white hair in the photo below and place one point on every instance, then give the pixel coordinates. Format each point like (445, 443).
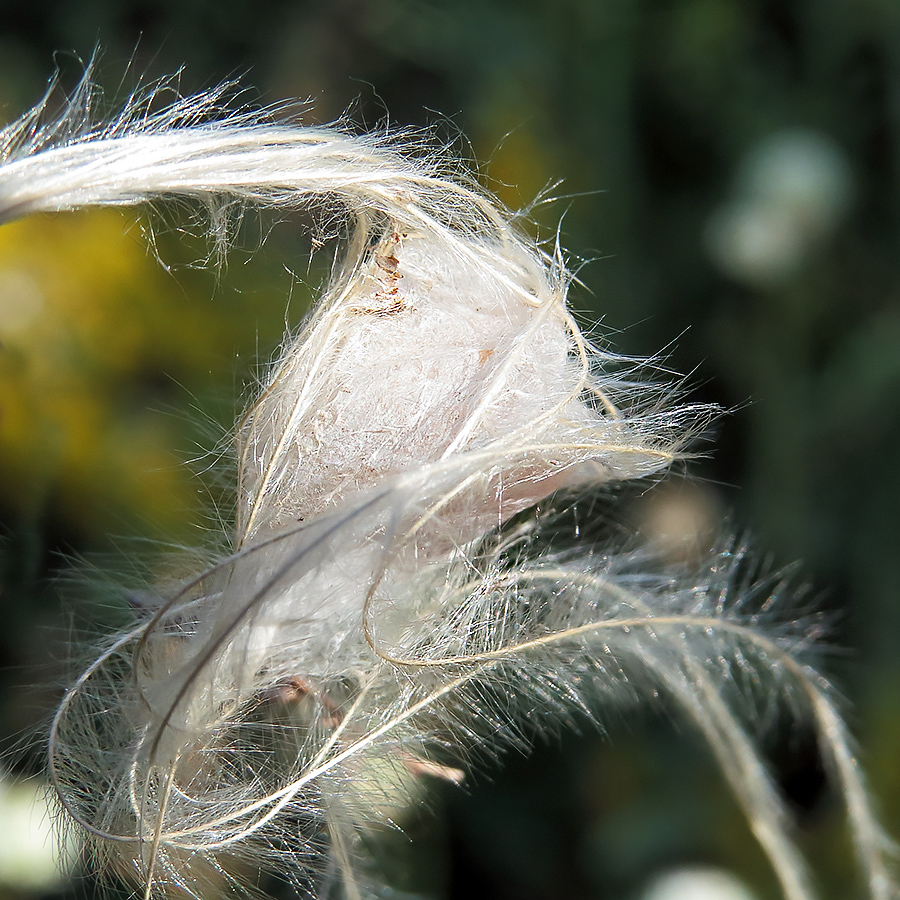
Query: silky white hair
(392, 605)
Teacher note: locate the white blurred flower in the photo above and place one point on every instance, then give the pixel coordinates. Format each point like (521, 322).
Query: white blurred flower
(791, 191)
(33, 856)
(698, 884)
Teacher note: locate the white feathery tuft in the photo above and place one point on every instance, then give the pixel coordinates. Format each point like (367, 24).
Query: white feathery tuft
(386, 586)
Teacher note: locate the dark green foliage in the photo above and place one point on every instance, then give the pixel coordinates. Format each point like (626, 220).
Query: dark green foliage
(646, 109)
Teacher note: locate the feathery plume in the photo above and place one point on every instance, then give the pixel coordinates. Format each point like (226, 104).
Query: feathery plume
(386, 586)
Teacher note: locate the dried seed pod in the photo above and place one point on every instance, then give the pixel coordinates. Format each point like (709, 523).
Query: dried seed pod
(380, 599)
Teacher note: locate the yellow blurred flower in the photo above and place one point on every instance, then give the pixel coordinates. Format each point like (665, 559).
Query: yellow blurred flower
(86, 317)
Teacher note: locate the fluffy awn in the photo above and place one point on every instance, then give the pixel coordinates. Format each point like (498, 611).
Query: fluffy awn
(386, 586)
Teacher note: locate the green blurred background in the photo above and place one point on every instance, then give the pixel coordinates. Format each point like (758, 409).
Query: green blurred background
(730, 174)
